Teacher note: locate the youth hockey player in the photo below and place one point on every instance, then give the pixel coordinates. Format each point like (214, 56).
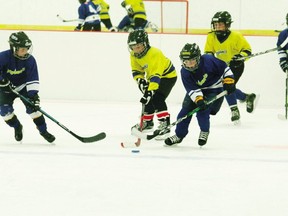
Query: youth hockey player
(283, 52)
(89, 16)
(229, 46)
(104, 14)
(155, 76)
(18, 69)
(136, 10)
(203, 77)
(127, 25)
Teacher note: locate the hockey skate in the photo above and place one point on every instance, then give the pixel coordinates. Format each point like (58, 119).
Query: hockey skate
(250, 102)
(18, 133)
(146, 127)
(203, 137)
(235, 118)
(173, 140)
(47, 136)
(163, 123)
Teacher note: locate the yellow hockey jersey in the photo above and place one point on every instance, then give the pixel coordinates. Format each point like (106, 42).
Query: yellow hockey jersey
(233, 45)
(137, 7)
(104, 8)
(152, 67)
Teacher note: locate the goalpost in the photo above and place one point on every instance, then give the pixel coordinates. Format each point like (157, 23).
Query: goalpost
(175, 14)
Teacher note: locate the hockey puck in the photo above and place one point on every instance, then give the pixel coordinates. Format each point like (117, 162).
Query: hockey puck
(135, 151)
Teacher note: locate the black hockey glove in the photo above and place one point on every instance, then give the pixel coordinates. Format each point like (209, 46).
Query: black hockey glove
(142, 84)
(5, 85)
(229, 85)
(236, 61)
(35, 100)
(78, 28)
(201, 103)
(147, 96)
(284, 65)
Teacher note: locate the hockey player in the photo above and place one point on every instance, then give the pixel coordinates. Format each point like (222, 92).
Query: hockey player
(155, 76)
(18, 70)
(104, 14)
(283, 52)
(203, 77)
(229, 46)
(89, 16)
(127, 25)
(136, 10)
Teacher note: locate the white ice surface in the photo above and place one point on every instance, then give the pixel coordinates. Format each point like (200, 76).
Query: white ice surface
(242, 171)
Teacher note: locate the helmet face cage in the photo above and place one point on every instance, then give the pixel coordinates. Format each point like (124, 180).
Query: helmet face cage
(221, 16)
(138, 36)
(190, 52)
(20, 40)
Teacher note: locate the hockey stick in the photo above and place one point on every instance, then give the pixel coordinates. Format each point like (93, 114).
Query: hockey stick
(138, 142)
(286, 96)
(162, 131)
(280, 116)
(264, 52)
(95, 138)
(66, 20)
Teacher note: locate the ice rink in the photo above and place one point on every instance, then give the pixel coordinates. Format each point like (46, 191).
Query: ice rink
(242, 171)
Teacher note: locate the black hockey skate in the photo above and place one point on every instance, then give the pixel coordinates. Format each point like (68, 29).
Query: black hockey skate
(235, 115)
(173, 140)
(203, 137)
(47, 136)
(250, 102)
(163, 123)
(18, 133)
(146, 127)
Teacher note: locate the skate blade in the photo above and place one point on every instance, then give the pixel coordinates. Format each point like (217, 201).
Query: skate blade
(237, 123)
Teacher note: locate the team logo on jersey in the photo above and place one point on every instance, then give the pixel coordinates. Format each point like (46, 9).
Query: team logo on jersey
(145, 66)
(221, 52)
(201, 82)
(15, 72)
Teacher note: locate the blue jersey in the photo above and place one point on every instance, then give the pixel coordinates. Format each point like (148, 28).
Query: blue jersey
(209, 75)
(21, 73)
(283, 52)
(89, 13)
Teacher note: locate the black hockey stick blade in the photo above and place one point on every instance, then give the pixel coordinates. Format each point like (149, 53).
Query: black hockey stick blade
(91, 139)
(95, 138)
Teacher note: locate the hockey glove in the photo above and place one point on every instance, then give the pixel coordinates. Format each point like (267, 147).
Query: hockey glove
(5, 85)
(284, 65)
(35, 100)
(236, 61)
(229, 85)
(201, 103)
(147, 96)
(142, 85)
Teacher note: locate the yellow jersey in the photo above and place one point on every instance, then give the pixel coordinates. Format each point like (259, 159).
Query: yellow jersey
(137, 7)
(152, 67)
(233, 45)
(104, 8)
